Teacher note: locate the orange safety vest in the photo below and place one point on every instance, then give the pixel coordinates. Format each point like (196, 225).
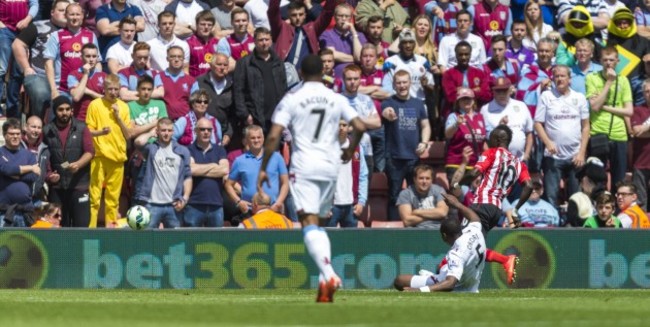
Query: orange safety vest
(639, 217)
(267, 219)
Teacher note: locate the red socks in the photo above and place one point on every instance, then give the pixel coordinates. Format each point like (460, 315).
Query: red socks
(494, 256)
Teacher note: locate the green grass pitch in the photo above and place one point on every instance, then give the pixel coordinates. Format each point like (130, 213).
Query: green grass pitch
(132, 308)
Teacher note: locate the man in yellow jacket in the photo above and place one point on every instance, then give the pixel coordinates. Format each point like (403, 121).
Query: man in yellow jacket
(110, 125)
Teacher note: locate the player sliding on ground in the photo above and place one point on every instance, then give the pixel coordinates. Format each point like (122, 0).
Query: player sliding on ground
(464, 261)
(312, 113)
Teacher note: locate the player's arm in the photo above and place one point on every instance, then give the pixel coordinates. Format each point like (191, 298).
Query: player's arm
(446, 285)
(525, 194)
(469, 176)
(284, 190)
(358, 128)
(484, 162)
(460, 172)
(466, 212)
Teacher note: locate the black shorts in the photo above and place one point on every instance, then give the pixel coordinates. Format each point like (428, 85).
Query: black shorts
(489, 214)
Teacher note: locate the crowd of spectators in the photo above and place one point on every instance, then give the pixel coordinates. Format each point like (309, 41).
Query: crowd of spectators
(166, 103)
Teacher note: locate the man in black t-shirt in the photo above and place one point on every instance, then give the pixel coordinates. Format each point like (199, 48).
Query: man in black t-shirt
(28, 51)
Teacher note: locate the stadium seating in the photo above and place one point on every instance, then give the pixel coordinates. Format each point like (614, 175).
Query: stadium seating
(435, 154)
(378, 197)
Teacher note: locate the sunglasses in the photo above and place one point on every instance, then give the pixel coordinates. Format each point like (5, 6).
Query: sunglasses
(202, 101)
(205, 129)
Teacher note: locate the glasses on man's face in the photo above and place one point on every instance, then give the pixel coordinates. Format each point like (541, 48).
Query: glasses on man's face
(205, 129)
(175, 57)
(623, 194)
(202, 101)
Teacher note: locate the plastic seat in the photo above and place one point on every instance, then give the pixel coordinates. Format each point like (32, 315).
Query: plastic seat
(435, 154)
(377, 198)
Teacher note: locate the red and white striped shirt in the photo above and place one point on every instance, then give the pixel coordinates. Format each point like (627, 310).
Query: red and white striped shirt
(500, 170)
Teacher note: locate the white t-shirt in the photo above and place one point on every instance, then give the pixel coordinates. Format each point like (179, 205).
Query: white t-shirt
(150, 10)
(466, 258)
(417, 67)
(257, 11)
(121, 52)
(562, 118)
(519, 121)
(447, 50)
(158, 53)
(186, 13)
(312, 112)
(527, 42)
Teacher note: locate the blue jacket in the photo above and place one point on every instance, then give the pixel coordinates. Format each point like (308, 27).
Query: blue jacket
(16, 191)
(143, 191)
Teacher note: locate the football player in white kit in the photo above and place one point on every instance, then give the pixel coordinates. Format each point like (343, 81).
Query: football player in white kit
(312, 112)
(465, 259)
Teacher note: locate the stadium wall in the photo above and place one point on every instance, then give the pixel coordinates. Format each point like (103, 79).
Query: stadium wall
(365, 258)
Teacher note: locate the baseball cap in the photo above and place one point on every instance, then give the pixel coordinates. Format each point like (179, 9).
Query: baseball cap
(406, 35)
(464, 92)
(501, 83)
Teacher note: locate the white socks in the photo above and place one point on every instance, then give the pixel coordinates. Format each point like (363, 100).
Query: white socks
(318, 246)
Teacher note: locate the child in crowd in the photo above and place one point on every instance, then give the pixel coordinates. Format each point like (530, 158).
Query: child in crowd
(605, 218)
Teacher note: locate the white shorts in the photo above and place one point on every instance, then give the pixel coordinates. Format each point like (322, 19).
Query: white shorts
(426, 278)
(312, 196)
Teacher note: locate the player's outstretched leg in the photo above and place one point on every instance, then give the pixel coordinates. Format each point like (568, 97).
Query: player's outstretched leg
(509, 263)
(318, 246)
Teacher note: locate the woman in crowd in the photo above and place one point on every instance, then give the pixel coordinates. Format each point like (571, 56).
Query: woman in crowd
(535, 26)
(184, 127)
(464, 127)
